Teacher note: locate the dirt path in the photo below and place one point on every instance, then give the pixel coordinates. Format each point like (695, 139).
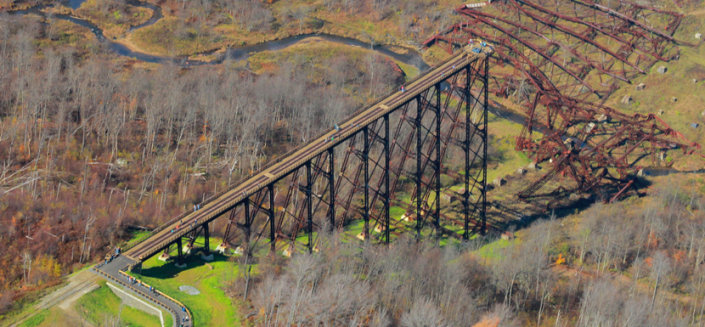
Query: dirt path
(79, 284)
(696, 13)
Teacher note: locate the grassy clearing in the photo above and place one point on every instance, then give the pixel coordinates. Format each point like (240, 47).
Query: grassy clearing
(113, 19)
(225, 31)
(492, 250)
(26, 304)
(54, 317)
(210, 308)
(171, 36)
(64, 34)
(317, 52)
(503, 133)
(676, 82)
(435, 55)
(136, 237)
(103, 305)
(37, 320)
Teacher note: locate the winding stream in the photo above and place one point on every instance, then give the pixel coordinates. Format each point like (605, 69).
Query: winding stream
(411, 57)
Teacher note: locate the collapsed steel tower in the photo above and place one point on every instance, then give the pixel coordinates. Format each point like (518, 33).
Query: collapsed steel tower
(561, 60)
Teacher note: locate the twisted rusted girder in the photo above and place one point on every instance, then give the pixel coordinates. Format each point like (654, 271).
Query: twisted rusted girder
(564, 59)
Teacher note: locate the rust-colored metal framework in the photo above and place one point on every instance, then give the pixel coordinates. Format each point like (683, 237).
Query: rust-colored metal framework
(561, 60)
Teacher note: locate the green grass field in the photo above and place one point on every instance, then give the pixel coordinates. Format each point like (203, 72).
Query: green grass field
(37, 320)
(212, 307)
(492, 250)
(102, 305)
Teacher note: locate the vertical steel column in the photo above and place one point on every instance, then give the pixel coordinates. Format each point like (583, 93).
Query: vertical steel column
(309, 207)
(331, 186)
(438, 160)
(387, 156)
(466, 196)
(365, 157)
(484, 150)
(207, 236)
(419, 174)
(272, 223)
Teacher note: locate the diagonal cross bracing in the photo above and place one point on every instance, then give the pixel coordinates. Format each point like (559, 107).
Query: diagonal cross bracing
(313, 153)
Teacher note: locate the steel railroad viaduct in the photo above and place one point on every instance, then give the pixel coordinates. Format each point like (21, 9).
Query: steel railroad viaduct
(445, 98)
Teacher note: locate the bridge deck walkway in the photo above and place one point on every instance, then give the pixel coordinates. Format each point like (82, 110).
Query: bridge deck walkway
(168, 234)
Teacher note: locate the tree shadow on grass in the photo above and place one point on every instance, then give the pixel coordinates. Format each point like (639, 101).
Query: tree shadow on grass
(169, 270)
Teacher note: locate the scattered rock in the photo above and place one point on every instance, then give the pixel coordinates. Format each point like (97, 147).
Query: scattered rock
(662, 70)
(627, 99)
(694, 125)
(499, 181)
(190, 290)
(507, 236)
(698, 36)
(674, 99)
(361, 236)
(448, 197)
(164, 257)
(640, 87)
(521, 171)
(661, 112)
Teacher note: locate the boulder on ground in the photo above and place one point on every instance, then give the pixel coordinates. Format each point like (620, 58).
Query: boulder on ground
(499, 181)
(507, 236)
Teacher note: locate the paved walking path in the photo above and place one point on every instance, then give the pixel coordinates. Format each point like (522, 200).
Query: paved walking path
(114, 271)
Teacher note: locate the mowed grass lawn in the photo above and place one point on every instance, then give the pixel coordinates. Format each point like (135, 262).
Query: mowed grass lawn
(212, 307)
(102, 305)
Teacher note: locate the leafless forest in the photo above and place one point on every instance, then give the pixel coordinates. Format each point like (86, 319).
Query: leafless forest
(629, 264)
(90, 145)
(88, 148)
